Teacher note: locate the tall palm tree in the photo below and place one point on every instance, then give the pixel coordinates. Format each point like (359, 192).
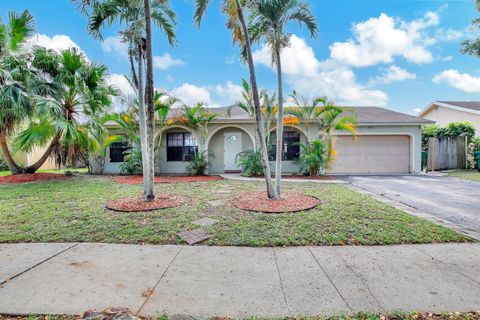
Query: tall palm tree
(234, 10)
(268, 22)
(136, 17)
(15, 104)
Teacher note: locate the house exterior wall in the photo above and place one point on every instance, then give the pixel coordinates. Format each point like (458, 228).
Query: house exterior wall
(213, 141)
(443, 116)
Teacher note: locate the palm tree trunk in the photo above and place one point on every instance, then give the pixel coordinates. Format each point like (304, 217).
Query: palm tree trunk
(260, 126)
(12, 165)
(279, 155)
(150, 174)
(34, 167)
(132, 69)
(141, 118)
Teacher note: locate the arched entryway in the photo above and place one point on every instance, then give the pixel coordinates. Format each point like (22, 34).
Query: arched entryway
(224, 144)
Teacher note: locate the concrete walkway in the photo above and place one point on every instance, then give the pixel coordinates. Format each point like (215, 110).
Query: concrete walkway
(238, 282)
(239, 177)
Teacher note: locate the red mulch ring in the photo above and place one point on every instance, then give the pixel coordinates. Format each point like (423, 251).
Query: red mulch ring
(31, 177)
(166, 179)
(138, 204)
(290, 202)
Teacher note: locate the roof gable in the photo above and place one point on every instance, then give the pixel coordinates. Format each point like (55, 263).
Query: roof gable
(465, 106)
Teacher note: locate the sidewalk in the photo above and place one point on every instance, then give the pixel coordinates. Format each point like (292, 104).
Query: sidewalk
(238, 282)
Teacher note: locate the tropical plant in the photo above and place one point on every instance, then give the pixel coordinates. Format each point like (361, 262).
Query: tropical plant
(15, 104)
(268, 22)
(334, 119)
(199, 163)
(197, 118)
(251, 163)
(472, 46)
(454, 129)
(133, 163)
(137, 16)
(314, 157)
(236, 23)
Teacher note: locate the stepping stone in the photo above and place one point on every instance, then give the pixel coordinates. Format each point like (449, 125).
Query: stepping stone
(216, 203)
(224, 191)
(205, 222)
(193, 236)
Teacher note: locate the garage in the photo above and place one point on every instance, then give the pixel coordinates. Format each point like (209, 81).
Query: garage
(372, 154)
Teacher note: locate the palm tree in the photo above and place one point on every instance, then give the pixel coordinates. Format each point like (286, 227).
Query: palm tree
(79, 91)
(268, 22)
(15, 104)
(234, 9)
(136, 15)
(196, 118)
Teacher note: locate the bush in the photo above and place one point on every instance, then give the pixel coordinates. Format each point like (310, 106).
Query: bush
(476, 144)
(454, 129)
(133, 162)
(3, 164)
(251, 163)
(314, 157)
(199, 164)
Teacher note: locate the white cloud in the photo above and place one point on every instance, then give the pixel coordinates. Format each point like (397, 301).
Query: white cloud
(447, 58)
(392, 74)
(126, 90)
(450, 34)
(416, 111)
(191, 94)
(166, 61)
(58, 42)
(230, 92)
(311, 77)
(114, 45)
(379, 40)
(460, 81)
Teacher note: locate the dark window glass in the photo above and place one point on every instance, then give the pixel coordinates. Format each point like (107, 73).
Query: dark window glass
(180, 146)
(291, 147)
(117, 151)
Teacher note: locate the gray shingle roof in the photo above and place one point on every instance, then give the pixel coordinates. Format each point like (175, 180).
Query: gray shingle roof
(365, 115)
(474, 105)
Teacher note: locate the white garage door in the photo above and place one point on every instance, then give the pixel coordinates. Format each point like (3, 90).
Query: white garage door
(372, 154)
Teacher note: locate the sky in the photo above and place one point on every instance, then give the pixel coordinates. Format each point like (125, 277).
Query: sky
(398, 54)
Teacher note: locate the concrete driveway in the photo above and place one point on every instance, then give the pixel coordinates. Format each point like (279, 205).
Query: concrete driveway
(453, 200)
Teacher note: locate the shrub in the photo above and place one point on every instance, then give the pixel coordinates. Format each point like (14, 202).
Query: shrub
(454, 129)
(251, 163)
(3, 164)
(199, 164)
(133, 162)
(313, 157)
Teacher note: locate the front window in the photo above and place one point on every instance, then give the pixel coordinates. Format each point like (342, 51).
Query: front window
(180, 146)
(291, 147)
(117, 151)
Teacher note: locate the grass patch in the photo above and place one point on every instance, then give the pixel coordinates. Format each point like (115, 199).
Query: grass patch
(471, 175)
(60, 171)
(73, 210)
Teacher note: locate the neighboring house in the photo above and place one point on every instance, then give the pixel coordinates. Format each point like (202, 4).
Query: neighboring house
(27, 159)
(445, 112)
(387, 142)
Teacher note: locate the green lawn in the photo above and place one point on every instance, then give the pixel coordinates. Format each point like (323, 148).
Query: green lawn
(465, 174)
(73, 210)
(83, 170)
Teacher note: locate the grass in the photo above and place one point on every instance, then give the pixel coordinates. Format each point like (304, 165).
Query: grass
(82, 170)
(73, 210)
(472, 175)
(358, 316)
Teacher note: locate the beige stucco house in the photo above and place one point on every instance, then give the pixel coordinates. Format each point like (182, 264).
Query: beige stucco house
(387, 142)
(445, 112)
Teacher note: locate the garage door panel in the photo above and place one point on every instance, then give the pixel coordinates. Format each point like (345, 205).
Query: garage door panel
(372, 154)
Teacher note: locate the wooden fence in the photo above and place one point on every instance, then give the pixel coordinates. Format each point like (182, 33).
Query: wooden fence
(447, 153)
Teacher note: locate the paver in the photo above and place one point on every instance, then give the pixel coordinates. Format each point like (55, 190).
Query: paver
(221, 281)
(88, 276)
(17, 258)
(216, 203)
(193, 236)
(205, 222)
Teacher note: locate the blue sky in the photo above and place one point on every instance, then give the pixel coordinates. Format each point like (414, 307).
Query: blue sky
(398, 54)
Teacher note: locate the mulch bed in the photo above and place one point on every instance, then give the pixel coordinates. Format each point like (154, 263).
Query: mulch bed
(138, 204)
(308, 177)
(290, 202)
(166, 179)
(31, 177)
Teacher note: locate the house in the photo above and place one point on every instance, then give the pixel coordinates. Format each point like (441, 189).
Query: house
(445, 112)
(387, 142)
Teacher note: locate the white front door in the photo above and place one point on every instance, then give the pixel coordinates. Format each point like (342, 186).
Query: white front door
(232, 143)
